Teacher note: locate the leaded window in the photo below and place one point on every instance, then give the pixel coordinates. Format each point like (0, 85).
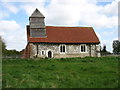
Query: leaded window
(83, 48)
(62, 48)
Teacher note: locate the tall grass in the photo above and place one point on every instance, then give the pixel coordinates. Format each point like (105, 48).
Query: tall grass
(61, 73)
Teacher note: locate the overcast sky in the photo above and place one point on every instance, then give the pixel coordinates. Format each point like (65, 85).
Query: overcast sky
(102, 15)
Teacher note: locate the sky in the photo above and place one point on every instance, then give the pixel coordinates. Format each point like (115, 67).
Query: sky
(102, 15)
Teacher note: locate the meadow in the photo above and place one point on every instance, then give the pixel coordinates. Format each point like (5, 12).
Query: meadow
(89, 72)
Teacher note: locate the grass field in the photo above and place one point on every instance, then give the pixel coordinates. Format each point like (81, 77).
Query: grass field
(61, 73)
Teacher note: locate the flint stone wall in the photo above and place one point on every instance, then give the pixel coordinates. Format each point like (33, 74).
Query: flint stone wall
(72, 50)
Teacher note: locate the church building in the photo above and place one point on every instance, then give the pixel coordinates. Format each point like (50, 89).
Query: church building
(59, 41)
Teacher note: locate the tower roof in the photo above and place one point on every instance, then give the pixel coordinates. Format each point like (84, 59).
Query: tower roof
(36, 13)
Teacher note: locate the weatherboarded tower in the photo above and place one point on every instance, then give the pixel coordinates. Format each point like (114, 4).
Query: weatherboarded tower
(37, 25)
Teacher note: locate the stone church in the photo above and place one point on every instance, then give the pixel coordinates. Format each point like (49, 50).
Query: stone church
(59, 41)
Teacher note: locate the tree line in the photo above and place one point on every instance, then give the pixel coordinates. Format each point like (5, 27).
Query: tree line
(6, 52)
(115, 46)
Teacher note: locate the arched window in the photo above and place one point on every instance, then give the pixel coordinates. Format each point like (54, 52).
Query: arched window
(62, 48)
(42, 52)
(83, 48)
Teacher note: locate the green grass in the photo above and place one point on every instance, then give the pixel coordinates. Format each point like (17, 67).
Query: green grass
(61, 73)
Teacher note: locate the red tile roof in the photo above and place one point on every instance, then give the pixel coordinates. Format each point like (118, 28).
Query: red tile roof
(57, 34)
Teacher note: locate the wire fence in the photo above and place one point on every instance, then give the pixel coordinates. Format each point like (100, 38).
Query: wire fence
(111, 54)
(21, 56)
(11, 56)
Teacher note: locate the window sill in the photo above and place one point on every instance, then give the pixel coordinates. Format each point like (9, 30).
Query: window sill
(62, 52)
(83, 52)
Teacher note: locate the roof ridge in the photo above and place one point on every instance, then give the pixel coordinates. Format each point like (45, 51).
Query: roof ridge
(70, 26)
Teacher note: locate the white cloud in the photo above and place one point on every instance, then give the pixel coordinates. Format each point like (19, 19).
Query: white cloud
(76, 12)
(21, 0)
(11, 8)
(104, 0)
(13, 34)
(29, 8)
(49, 0)
(6, 9)
(3, 14)
(110, 33)
(111, 9)
(8, 25)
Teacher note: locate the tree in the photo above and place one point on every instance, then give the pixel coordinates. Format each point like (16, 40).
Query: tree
(104, 48)
(104, 51)
(2, 45)
(6, 52)
(116, 46)
(12, 53)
